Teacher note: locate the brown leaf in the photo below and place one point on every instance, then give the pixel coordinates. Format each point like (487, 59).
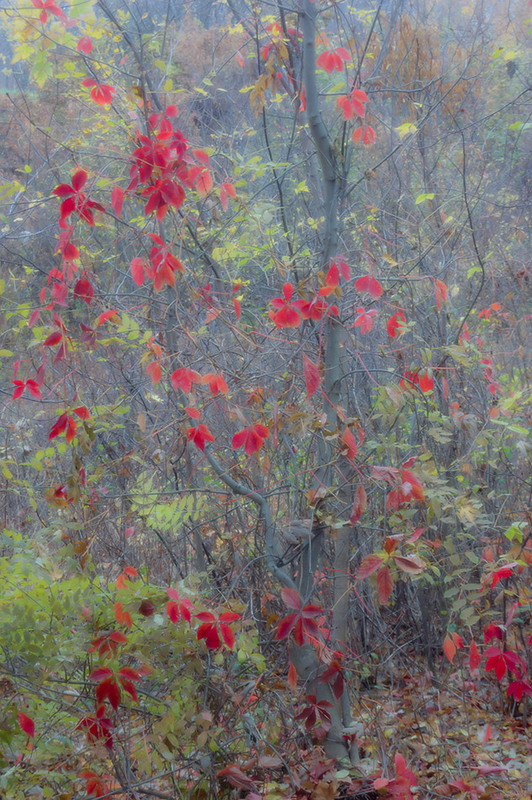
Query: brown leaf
(360, 504)
(413, 565)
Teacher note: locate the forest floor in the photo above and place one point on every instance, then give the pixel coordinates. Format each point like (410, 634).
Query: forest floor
(454, 737)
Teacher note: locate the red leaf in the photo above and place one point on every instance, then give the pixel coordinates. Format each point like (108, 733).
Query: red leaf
(234, 775)
(347, 107)
(286, 316)
(360, 504)
(27, 724)
(349, 446)
(79, 179)
(101, 93)
(104, 316)
(130, 689)
(369, 135)
(183, 378)
(499, 575)
(117, 200)
(495, 661)
(416, 535)
(84, 45)
(146, 608)
(298, 632)
(291, 598)
(53, 338)
(357, 134)
(326, 62)
(199, 435)
(310, 612)
(84, 290)
(59, 426)
(312, 376)
(344, 269)
(384, 584)
(138, 267)
(426, 381)
(216, 382)
(131, 572)
(19, 389)
(229, 616)
(226, 190)
(285, 626)
(129, 673)
(201, 156)
(331, 61)
(154, 371)
(205, 616)
(396, 324)
(100, 674)
(493, 631)
(228, 635)
(332, 277)
(71, 429)
(33, 388)
(292, 677)
(209, 632)
(252, 438)
(109, 689)
(518, 688)
(369, 284)
(369, 565)
(204, 183)
(364, 320)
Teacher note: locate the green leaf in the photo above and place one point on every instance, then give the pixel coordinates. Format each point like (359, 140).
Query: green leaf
(514, 532)
(520, 126)
(405, 129)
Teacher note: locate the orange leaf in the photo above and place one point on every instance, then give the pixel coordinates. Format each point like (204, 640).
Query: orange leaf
(154, 371)
(349, 446)
(474, 656)
(122, 617)
(204, 183)
(449, 648)
(292, 677)
(440, 291)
